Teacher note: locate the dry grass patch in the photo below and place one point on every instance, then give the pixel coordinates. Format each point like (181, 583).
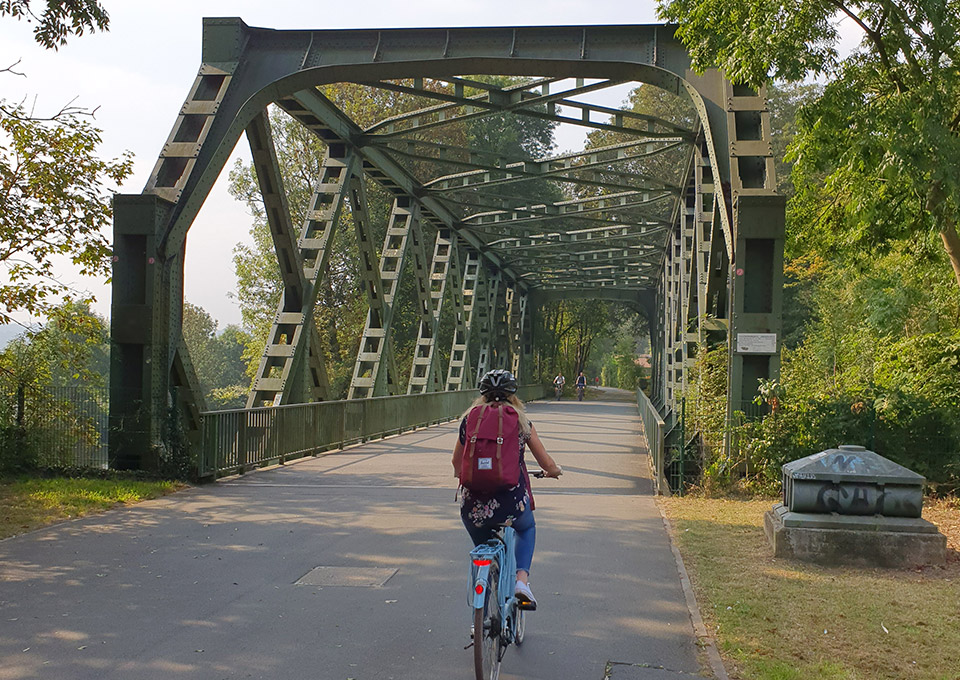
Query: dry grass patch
(781, 620)
(30, 503)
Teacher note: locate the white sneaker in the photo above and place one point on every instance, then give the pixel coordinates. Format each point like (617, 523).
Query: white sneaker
(525, 598)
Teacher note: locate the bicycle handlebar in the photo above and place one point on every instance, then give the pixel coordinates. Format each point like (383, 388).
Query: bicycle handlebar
(541, 474)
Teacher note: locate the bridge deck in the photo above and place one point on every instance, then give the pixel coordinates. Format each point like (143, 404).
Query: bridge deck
(203, 584)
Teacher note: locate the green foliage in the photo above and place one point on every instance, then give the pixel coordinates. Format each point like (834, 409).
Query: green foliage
(218, 358)
(341, 308)
(752, 40)
(878, 367)
(569, 330)
(629, 374)
(871, 307)
(875, 153)
(59, 19)
(54, 203)
(53, 391)
(785, 101)
(705, 405)
(624, 352)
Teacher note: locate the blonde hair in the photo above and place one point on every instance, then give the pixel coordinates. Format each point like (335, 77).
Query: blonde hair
(514, 402)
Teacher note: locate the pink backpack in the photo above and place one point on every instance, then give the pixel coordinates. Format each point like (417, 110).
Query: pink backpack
(491, 457)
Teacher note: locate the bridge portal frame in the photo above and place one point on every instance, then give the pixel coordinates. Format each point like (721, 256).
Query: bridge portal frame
(722, 260)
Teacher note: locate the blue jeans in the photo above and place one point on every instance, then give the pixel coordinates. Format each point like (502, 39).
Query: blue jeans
(526, 530)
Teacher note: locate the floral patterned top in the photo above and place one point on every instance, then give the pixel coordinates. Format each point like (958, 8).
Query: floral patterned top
(507, 504)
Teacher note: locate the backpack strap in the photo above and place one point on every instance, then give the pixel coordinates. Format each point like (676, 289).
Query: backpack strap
(500, 440)
(472, 445)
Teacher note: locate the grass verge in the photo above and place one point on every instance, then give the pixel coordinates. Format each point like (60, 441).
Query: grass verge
(28, 503)
(776, 619)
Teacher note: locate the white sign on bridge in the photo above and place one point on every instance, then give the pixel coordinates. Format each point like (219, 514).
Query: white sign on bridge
(757, 343)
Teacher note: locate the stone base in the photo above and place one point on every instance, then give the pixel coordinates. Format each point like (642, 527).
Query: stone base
(892, 542)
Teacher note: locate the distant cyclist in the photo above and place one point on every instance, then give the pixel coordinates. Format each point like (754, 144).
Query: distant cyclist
(558, 383)
(581, 385)
(482, 511)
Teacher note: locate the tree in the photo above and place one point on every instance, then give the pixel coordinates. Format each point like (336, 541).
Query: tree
(570, 329)
(52, 392)
(784, 101)
(218, 358)
(54, 200)
(59, 20)
(53, 203)
(885, 132)
(666, 166)
(341, 307)
(71, 349)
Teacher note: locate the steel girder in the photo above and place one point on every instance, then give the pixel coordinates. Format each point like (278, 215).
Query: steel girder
(487, 315)
(519, 247)
(295, 283)
(375, 373)
(431, 287)
(708, 289)
(287, 345)
(464, 279)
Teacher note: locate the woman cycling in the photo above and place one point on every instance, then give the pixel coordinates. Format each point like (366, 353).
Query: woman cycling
(481, 513)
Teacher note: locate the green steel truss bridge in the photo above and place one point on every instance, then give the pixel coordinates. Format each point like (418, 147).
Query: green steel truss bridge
(679, 220)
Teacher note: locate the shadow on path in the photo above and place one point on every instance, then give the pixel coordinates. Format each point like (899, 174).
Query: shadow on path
(202, 584)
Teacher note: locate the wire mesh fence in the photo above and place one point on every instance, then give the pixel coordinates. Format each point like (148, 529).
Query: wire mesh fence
(52, 426)
(748, 447)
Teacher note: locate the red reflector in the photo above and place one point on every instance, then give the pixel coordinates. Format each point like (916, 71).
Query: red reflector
(479, 589)
(482, 563)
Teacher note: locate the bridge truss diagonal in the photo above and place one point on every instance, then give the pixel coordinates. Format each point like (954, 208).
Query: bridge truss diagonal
(673, 213)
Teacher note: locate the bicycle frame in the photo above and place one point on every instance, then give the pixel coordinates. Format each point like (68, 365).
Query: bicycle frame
(499, 550)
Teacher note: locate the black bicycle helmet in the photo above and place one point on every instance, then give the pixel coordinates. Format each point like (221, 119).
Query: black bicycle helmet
(498, 383)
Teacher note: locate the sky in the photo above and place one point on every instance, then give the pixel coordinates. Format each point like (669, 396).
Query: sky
(138, 73)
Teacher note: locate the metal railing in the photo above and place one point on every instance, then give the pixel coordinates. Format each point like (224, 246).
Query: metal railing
(52, 426)
(654, 433)
(239, 440)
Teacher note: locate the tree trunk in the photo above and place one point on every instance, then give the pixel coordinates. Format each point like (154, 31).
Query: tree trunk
(951, 241)
(938, 207)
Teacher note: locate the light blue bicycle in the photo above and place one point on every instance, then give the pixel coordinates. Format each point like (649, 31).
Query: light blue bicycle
(497, 619)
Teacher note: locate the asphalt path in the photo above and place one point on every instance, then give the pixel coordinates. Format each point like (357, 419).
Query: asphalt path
(354, 565)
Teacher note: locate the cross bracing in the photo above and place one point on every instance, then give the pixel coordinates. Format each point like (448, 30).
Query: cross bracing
(671, 211)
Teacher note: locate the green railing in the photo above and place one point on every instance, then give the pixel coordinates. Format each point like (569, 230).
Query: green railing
(242, 439)
(654, 431)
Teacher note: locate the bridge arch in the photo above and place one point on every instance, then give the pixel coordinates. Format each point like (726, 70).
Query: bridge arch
(716, 226)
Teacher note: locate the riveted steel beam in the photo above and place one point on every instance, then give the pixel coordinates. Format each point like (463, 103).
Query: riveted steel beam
(613, 233)
(590, 248)
(314, 382)
(517, 315)
(575, 209)
(627, 253)
(598, 166)
(488, 311)
(501, 327)
(424, 374)
(519, 100)
(288, 341)
(245, 69)
(422, 365)
(466, 278)
(147, 354)
(325, 120)
(384, 375)
(483, 175)
(375, 358)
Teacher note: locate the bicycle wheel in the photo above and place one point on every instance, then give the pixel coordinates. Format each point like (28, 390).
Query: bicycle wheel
(521, 626)
(486, 633)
